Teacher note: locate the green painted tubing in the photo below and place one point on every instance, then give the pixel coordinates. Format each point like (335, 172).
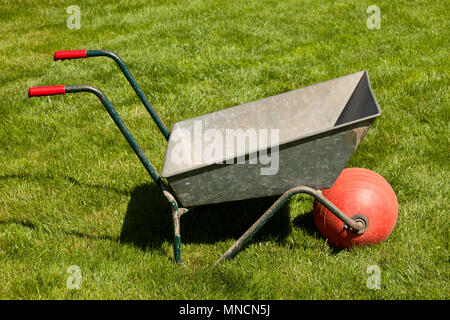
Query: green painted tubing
(134, 84)
(123, 128)
(76, 54)
(177, 236)
(275, 207)
(177, 250)
(61, 89)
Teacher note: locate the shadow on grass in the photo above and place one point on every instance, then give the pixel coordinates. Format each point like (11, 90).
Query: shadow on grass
(148, 221)
(49, 177)
(23, 223)
(306, 222)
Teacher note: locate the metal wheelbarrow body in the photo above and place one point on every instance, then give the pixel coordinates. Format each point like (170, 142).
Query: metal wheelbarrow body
(227, 155)
(319, 128)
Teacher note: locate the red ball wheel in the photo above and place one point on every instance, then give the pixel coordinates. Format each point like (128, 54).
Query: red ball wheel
(362, 195)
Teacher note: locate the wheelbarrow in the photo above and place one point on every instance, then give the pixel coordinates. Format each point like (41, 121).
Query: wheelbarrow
(227, 155)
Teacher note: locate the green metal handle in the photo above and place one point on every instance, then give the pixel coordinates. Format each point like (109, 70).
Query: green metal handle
(123, 128)
(52, 90)
(75, 54)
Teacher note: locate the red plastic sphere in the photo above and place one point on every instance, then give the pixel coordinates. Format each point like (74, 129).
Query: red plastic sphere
(358, 191)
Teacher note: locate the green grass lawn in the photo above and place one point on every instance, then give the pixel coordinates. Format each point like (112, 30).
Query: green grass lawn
(73, 193)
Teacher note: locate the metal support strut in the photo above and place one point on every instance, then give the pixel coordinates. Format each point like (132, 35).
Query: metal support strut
(358, 225)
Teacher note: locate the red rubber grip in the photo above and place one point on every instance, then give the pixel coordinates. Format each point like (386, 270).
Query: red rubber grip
(70, 54)
(46, 91)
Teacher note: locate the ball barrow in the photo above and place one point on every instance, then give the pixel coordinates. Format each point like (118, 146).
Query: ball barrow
(336, 121)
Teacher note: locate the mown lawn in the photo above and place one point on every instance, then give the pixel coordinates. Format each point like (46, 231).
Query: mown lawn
(73, 193)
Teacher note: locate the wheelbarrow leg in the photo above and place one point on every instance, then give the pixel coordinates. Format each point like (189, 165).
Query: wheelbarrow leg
(176, 215)
(177, 237)
(355, 226)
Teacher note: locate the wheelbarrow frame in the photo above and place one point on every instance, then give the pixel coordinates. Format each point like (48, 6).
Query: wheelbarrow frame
(357, 223)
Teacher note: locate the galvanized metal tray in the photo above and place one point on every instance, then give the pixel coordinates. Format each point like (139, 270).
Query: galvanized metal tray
(319, 128)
